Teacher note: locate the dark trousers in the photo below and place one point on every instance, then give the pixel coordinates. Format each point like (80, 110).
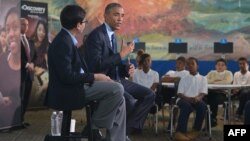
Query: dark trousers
(25, 95)
(185, 109)
(247, 113)
(168, 93)
(244, 96)
(139, 101)
(215, 98)
(164, 95)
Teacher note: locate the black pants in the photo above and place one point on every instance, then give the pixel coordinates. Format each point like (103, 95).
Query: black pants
(247, 113)
(215, 98)
(25, 95)
(139, 101)
(244, 96)
(164, 95)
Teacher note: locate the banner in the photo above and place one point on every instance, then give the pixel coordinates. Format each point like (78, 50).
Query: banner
(10, 64)
(37, 15)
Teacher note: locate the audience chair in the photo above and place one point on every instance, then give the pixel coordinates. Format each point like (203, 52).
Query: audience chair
(226, 113)
(155, 116)
(153, 122)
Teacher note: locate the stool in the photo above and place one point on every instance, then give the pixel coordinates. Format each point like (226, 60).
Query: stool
(65, 131)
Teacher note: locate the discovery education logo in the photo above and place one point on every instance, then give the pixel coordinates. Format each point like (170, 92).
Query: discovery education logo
(33, 9)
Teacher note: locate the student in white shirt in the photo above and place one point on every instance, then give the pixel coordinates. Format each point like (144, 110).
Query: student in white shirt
(180, 72)
(242, 77)
(191, 90)
(146, 76)
(173, 76)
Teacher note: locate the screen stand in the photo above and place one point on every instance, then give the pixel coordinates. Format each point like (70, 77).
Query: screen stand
(177, 55)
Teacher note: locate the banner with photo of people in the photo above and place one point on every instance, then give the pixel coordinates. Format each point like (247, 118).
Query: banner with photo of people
(10, 64)
(37, 15)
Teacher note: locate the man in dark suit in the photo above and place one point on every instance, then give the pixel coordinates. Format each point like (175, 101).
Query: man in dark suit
(71, 85)
(28, 56)
(102, 57)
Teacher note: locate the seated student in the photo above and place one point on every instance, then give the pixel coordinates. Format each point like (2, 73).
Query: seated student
(191, 91)
(247, 113)
(172, 76)
(146, 76)
(216, 97)
(242, 77)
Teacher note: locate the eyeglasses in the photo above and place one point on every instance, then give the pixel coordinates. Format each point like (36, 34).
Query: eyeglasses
(84, 21)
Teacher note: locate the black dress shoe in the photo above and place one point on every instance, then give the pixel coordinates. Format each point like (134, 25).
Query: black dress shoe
(26, 124)
(134, 131)
(153, 110)
(5, 130)
(97, 135)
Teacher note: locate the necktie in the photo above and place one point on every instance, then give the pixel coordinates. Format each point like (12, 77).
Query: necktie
(114, 48)
(27, 47)
(114, 43)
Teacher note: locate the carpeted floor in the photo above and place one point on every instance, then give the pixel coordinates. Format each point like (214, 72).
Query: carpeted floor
(40, 126)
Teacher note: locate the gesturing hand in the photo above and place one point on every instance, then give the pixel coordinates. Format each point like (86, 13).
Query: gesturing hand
(126, 49)
(131, 69)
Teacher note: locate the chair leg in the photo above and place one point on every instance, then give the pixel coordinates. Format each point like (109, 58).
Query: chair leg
(66, 123)
(88, 114)
(226, 113)
(156, 119)
(172, 121)
(209, 121)
(163, 118)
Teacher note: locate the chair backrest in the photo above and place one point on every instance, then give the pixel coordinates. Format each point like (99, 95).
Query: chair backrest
(176, 85)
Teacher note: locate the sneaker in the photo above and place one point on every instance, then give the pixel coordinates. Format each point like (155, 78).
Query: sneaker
(181, 137)
(193, 134)
(97, 134)
(134, 131)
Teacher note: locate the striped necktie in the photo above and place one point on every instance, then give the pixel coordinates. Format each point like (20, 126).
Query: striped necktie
(114, 48)
(27, 47)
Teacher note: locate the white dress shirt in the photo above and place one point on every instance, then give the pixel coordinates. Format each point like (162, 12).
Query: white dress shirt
(146, 79)
(241, 79)
(180, 74)
(193, 85)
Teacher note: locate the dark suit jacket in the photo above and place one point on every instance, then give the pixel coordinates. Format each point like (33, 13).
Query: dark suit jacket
(25, 75)
(99, 56)
(66, 83)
